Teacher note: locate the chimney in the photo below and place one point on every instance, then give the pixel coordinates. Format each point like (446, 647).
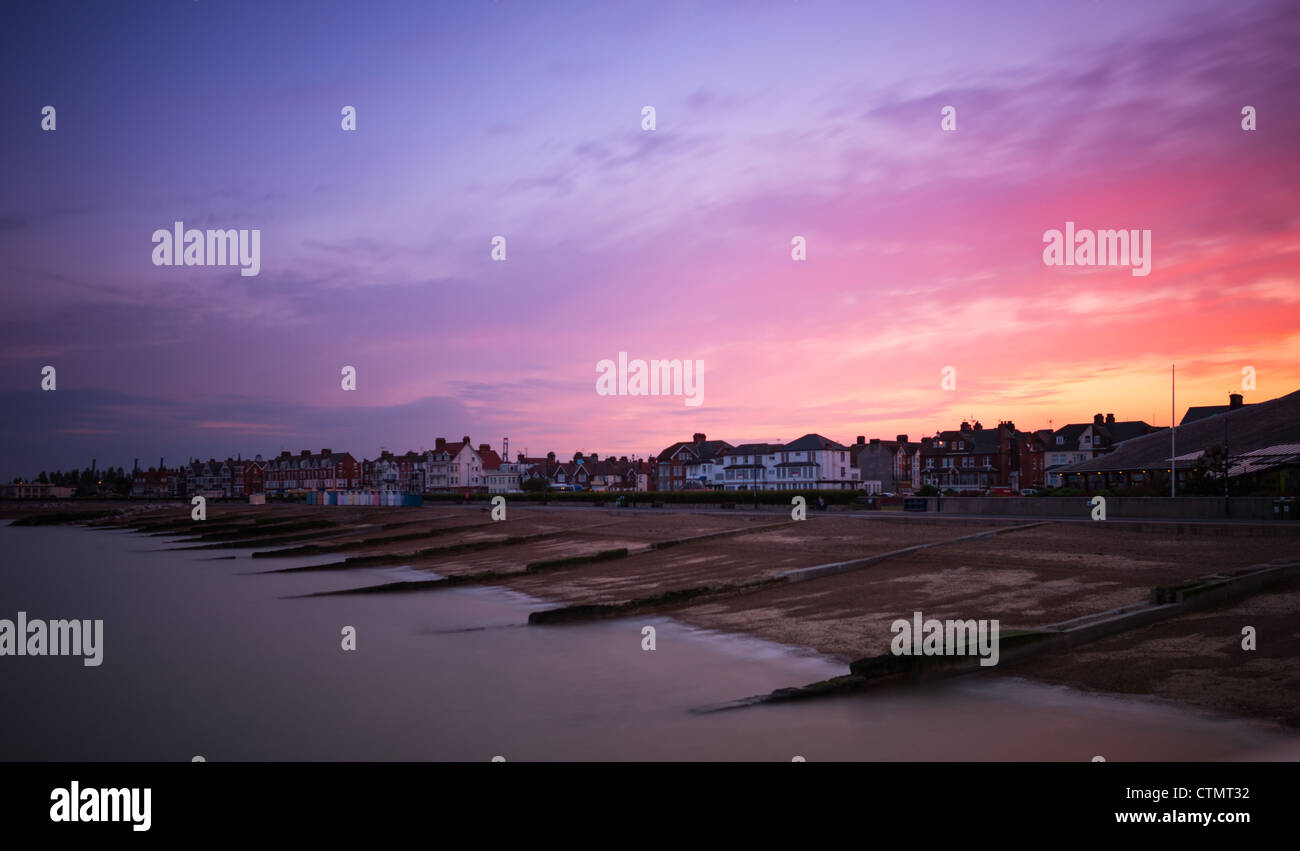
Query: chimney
(465, 440)
(875, 441)
(1110, 419)
(902, 438)
(595, 457)
(306, 453)
(965, 426)
(979, 426)
(521, 457)
(326, 452)
(698, 437)
(1097, 420)
(440, 444)
(862, 439)
(550, 456)
(1234, 401)
(285, 454)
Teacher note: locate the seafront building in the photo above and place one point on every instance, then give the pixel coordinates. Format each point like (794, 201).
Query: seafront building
(887, 466)
(1259, 444)
(311, 471)
(811, 462)
(972, 457)
(1260, 441)
(678, 466)
(1077, 442)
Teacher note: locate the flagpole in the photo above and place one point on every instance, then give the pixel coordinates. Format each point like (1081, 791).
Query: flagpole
(1173, 454)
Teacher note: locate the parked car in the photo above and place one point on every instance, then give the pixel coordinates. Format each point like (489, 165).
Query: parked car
(1028, 491)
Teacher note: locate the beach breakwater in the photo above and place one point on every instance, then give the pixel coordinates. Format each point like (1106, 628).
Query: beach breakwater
(1117, 507)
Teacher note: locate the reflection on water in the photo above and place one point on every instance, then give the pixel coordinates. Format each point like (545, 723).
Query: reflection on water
(202, 656)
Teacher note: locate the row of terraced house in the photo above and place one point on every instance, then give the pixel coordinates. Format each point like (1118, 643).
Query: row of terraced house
(448, 467)
(969, 457)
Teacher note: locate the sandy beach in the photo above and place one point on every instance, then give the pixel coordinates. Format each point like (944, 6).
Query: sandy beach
(1028, 574)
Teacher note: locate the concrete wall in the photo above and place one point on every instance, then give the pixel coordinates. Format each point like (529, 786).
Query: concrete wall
(1117, 507)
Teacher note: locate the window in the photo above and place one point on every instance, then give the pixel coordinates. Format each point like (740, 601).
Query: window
(1060, 440)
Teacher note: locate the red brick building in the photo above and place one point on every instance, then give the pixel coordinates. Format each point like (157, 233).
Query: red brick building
(670, 464)
(307, 471)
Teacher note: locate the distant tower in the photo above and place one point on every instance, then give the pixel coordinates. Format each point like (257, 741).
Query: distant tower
(505, 447)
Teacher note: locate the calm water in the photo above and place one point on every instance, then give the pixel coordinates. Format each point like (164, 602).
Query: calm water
(203, 658)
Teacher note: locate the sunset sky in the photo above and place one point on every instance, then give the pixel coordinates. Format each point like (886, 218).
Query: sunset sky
(774, 119)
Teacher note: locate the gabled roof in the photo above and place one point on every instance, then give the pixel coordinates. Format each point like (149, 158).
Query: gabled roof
(973, 440)
(813, 442)
(947, 436)
(1121, 431)
(1071, 432)
(1200, 412)
(672, 451)
(1042, 435)
(756, 449)
(703, 449)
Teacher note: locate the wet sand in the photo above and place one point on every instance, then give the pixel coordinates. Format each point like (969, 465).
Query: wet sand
(1031, 574)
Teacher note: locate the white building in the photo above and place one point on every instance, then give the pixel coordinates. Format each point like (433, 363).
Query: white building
(505, 477)
(814, 462)
(705, 472)
(749, 466)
